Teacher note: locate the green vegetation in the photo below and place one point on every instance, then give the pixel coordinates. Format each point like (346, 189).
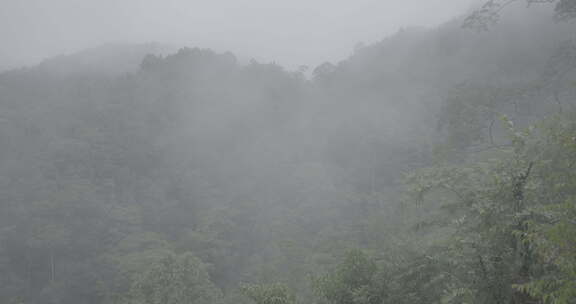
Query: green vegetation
(436, 166)
(269, 294)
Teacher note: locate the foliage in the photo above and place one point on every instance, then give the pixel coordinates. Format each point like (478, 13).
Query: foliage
(268, 293)
(489, 13)
(175, 279)
(512, 217)
(124, 187)
(354, 281)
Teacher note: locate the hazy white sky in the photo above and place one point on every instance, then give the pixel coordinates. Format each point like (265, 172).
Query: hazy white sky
(290, 32)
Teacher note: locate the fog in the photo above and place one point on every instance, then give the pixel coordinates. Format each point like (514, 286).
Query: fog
(177, 152)
(292, 33)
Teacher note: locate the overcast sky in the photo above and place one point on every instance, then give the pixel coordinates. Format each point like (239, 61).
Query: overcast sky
(290, 32)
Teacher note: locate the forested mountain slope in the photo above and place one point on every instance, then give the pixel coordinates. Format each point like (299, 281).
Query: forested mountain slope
(185, 176)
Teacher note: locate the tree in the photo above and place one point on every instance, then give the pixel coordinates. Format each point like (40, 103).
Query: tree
(354, 281)
(175, 279)
(489, 13)
(512, 218)
(269, 293)
(551, 231)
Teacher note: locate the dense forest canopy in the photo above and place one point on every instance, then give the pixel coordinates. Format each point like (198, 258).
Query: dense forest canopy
(435, 166)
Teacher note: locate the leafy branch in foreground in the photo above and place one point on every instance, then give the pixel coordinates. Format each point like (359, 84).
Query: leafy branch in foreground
(489, 13)
(513, 218)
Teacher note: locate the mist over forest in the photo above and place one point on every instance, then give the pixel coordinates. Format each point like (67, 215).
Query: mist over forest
(437, 165)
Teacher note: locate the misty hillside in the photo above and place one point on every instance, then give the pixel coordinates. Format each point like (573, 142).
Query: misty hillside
(106, 60)
(402, 174)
